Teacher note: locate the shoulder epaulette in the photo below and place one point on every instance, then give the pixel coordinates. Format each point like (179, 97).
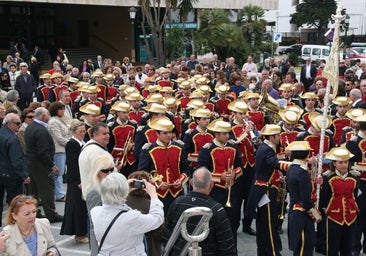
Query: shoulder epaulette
(188, 121)
(301, 134)
(231, 142)
(145, 115)
(146, 146)
(329, 132)
(354, 138)
(328, 173)
(355, 173)
(180, 142)
(347, 128)
(207, 145)
(189, 131)
(133, 121)
(140, 128)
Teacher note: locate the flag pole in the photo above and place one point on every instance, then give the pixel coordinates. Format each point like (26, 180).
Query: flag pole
(330, 72)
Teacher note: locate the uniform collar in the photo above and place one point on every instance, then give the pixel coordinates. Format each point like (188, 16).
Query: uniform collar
(303, 164)
(270, 144)
(340, 175)
(219, 144)
(161, 144)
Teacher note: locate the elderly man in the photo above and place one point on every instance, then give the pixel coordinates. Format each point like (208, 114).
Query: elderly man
(220, 240)
(40, 152)
(13, 168)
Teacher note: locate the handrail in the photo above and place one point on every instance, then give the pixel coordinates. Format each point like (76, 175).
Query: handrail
(104, 42)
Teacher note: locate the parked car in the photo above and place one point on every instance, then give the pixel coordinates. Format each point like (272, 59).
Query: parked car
(315, 52)
(294, 48)
(353, 55)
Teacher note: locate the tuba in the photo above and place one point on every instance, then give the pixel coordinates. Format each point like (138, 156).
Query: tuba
(270, 106)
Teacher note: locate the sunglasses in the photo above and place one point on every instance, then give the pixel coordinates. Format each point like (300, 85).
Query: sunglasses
(107, 170)
(30, 117)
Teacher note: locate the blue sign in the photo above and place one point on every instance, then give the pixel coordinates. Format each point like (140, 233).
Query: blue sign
(277, 37)
(181, 25)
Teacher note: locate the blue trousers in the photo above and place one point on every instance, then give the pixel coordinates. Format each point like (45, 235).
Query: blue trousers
(60, 161)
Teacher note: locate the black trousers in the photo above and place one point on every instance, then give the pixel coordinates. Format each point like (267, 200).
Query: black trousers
(268, 238)
(339, 238)
(13, 187)
(42, 186)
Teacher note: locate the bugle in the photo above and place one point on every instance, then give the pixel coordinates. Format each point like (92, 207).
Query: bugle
(281, 199)
(228, 184)
(125, 149)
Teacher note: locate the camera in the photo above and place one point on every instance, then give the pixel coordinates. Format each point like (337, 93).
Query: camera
(139, 184)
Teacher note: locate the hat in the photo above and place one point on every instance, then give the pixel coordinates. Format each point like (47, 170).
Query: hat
(155, 98)
(253, 95)
(296, 109)
(196, 77)
(339, 154)
(286, 87)
(90, 109)
(298, 146)
(45, 76)
(309, 95)
(83, 87)
(196, 103)
(200, 112)
(133, 96)
(361, 118)
(162, 124)
(204, 88)
(93, 89)
(289, 116)
(131, 89)
(153, 88)
(342, 101)
(243, 94)
(219, 126)
(179, 80)
(197, 94)
(56, 75)
(97, 73)
(222, 89)
(167, 89)
(123, 87)
(149, 80)
(355, 112)
(185, 85)
(271, 129)
(316, 120)
(108, 77)
(156, 108)
(202, 81)
(73, 80)
(171, 102)
(238, 106)
(121, 106)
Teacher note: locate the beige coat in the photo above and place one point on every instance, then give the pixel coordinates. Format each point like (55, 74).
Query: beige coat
(16, 246)
(60, 133)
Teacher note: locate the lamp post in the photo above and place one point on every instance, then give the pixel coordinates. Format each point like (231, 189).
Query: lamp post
(346, 26)
(132, 12)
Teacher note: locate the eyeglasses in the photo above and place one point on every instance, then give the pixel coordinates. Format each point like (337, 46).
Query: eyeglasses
(30, 117)
(107, 170)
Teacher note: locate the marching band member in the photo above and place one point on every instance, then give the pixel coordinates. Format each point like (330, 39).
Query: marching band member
(357, 146)
(247, 139)
(44, 90)
(263, 205)
(167, 159)
(340, 120)
(256, 115)
(287, 94)
(136, 111)
(122, 134)
(91, 116)
(338, 201)
(349, 131)
(302, 212)
(310, 99)
(223, 158)
(98, 81)
(56, 87)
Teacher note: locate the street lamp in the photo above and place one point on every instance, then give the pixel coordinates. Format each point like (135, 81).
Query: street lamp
(346, 26)
(132, 12)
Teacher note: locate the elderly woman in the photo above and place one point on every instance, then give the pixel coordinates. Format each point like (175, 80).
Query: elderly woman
(126, 235)
(60, 134)
(75, 216)
(11, 101)
(338, 201)
(102, 167)
(29, 236)
(27, 117)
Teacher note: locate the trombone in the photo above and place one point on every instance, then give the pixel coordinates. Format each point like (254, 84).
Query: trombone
(228, 184)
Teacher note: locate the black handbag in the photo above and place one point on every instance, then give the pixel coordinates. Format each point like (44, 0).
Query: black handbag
(107, 230)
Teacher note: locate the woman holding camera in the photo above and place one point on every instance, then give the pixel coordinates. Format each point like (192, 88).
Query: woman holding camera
(125, 235)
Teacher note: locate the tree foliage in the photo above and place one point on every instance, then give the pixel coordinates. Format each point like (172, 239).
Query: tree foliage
(314, 13)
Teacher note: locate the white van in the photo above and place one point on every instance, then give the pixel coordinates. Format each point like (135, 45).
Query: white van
(315, 52)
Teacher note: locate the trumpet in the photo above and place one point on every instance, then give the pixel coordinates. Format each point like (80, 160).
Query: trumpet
(281, 199)
(228, 184)
(253, 138)
(156, 179)
(125, 149)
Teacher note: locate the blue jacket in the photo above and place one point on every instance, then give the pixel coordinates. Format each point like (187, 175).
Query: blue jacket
(12, 160)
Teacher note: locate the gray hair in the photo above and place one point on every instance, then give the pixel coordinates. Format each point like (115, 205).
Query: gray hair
(12, 95)
(201, 178)
(75, 123)
(23, 64)
(40, 112)
(356, 93)
(9, 118)
(114, 189)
